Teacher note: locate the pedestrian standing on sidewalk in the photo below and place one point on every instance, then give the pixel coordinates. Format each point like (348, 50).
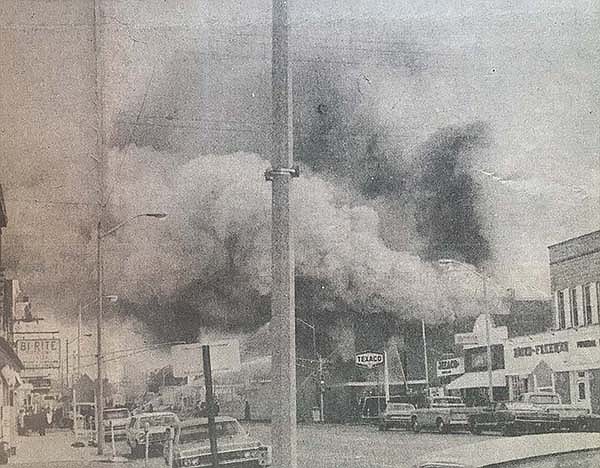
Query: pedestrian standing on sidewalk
(42, 422)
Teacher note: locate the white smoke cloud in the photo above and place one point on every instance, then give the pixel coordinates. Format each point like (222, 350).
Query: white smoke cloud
(219, 221)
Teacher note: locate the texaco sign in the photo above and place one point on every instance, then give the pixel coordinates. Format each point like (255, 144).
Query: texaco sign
(369, 359)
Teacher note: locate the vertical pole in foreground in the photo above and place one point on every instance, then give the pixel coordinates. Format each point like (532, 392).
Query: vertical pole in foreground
(100, 138)
(425, 354)
(283, 429)
(210, 405)
(99, 383)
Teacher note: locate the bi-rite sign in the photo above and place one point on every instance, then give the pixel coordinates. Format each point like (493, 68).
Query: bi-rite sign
(39, 353)
(369, 359)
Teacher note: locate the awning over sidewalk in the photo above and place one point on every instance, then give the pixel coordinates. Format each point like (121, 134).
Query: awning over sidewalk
(478, 380)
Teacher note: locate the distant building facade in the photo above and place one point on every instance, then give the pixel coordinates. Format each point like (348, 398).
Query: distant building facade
(10, 364)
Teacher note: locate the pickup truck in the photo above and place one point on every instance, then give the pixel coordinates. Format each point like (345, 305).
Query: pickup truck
(396, 415)
(442, 414)
(570, 415)
(508, 420)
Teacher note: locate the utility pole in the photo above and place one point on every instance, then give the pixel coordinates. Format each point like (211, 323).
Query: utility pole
(100, 370)
(283, 431)
(425, 354)
(488, 344)
(100, 138)
(67, 362)
(321, 390)
(76, 379)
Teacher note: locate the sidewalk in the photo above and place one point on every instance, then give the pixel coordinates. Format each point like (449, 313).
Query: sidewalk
(55, 446)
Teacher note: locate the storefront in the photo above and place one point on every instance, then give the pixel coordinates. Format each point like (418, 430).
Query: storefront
(10, 366)
(473, 384)
(563, 361)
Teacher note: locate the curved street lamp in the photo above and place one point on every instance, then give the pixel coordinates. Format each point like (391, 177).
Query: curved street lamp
(475, 271)
(100, 280)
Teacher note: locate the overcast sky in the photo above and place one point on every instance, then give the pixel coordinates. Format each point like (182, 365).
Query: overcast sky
(193, 78)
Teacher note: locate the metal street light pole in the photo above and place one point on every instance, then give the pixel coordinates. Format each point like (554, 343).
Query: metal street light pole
(448, 261)
(99, 323)
(319, 358)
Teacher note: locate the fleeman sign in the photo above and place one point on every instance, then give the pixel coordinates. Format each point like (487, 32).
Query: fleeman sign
(369, 359)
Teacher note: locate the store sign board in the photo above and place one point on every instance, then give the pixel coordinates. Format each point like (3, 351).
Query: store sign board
(466, 339)
(539, 349)
(39, 353)
(369, 359)
(187, 359)
(452, 366)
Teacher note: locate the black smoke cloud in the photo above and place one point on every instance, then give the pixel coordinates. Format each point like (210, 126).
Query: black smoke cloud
(431, 185)
(384, 208)
(447, 195)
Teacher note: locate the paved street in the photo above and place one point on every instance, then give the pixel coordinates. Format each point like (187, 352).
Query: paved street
(325, 446)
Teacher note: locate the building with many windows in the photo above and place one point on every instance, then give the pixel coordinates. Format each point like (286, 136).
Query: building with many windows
(575, 281)
(564, 356)
(565, 359)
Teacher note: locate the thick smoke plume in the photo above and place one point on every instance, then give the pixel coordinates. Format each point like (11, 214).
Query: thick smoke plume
(207, 265)
(428, 187)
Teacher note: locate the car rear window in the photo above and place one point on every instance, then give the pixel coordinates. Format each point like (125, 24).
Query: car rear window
(544, 399)
(191, 434)
(116, 414)
(162, 420)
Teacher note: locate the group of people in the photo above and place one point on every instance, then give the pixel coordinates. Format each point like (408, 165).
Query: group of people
(34, 421)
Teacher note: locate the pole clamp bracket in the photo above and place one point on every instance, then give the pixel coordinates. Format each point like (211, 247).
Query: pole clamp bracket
(291, 171)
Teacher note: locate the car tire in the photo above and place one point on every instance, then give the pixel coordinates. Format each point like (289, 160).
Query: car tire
(414, 425)
(441, 426)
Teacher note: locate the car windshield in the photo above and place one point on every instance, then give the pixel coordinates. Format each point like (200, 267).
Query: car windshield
(158, 420)
(400, 407)
(199, 433)
(544, 400)
(116, 414)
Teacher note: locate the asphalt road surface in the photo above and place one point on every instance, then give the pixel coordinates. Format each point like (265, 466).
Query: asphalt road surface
(326, 446)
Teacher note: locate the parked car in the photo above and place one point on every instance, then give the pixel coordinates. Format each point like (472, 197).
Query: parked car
(442, 413)
(570, 415)
(116, 421)
(152, 425)
(191, 446)
(512, 421)
(396, 415)
(564, 450)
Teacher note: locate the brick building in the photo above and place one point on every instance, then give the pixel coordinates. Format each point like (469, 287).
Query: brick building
(566, 358)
